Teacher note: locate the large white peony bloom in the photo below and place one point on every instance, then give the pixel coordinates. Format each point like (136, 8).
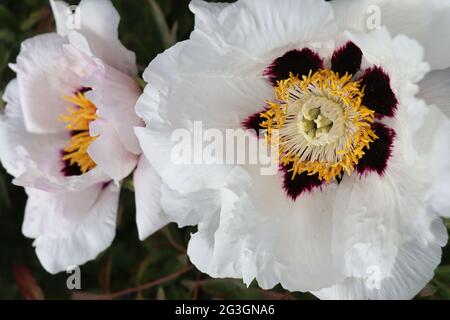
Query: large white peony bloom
(67, 136)
(354, 211)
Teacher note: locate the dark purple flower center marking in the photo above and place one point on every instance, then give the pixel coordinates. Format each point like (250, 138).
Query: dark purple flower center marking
(301, 183)
(69, 170)
(254, 122)
(378, 95)
(297, 62)
(376, 158)
(347, 59)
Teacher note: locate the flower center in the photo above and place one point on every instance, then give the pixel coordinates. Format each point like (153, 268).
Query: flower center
(319, 124)
(78, 120)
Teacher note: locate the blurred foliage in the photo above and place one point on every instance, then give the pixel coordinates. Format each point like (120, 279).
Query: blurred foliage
(147, 27)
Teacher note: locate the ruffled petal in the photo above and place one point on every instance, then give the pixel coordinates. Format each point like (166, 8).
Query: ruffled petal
(202, 208)
(35, 159)
(413, 269)
(43, 84)
(97, 32)
(147, 187)
(115, 95)
(172, 121)
(435, 89)
(71, 228)
(19, 148)
(431, 140)
(255, 34)
(425, 21)
(109, 153)
(269, 240)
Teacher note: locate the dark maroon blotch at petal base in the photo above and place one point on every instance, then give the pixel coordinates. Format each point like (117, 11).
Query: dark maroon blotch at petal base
(70, 170)
(347, 59)
(254, 122)
(376, 158)
(378, 95)
(300, 184)
(83, 90)
(299, 62)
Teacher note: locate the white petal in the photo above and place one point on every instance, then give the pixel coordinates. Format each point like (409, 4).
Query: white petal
(248, 35)
(374, 216)
(71, 228)
(28, 156)
(108, 152)
(426, 21)
(399, 56)
(61, 15)
(115, 95)
(147, 187)
(414, 268)
(432, 142)
(222, 103)
(261, 234)
(46, 74)
(99, 26)
(435, 89)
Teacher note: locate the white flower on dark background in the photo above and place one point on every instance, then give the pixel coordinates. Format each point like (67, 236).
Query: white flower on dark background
(363, 139)
(67, 136)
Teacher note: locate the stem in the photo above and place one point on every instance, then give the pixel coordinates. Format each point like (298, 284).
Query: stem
(146, 286)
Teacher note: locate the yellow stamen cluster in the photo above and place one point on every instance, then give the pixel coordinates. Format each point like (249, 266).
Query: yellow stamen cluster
(78, 120)
(343, 150)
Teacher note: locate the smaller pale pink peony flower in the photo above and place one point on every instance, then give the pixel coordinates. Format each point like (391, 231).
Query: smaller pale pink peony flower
(67, 136)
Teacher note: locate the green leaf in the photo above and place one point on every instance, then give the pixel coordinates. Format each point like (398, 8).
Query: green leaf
(33, 19)
(6, 17)
(167, 34)
(128, 183)
(7, 36)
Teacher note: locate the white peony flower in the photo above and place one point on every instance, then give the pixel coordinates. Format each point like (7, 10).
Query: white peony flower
(354, 211)
(67, 136)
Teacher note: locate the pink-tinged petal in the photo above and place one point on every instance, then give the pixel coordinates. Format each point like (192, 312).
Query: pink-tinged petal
(147, 187)
(71, 228)
(46, 74)
(97, 33)
(115, 95)
(109, 153)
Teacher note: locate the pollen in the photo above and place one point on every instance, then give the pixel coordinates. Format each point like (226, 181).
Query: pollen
(78, 119)
(319, 124)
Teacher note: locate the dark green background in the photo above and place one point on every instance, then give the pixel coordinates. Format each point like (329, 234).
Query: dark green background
(128, 262)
